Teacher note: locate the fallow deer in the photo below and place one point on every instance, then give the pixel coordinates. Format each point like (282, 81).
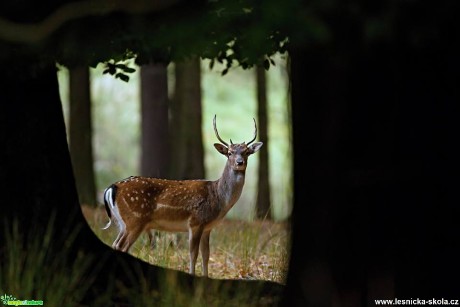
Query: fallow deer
(137, 204)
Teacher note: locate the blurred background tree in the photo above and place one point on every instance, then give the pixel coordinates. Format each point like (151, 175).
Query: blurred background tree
(155, 138)
(80, 127)
(263, 202)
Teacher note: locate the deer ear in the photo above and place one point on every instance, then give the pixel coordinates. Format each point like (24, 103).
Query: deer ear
(221, 148)
(255, 147)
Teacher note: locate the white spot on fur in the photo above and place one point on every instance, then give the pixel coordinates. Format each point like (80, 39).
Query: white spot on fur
(166, 206)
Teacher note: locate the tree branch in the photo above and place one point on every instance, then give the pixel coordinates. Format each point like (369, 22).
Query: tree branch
(34, 33)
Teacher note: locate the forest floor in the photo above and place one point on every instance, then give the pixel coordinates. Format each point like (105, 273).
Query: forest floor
(239, 249)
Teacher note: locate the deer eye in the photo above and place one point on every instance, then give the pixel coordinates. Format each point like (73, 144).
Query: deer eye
(230, 153)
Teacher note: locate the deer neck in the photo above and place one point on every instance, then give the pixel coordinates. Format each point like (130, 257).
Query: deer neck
(229, 186)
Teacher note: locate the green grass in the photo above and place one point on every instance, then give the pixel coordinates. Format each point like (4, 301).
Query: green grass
(33, 269)
(257, 250)
(37, 267)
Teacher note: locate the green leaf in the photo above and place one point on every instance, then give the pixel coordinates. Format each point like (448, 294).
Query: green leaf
(128, 69)
(266, 64)
(122, 76)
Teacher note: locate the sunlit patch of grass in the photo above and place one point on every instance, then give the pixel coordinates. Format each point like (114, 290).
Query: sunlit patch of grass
(257, 250)
(252, 250)
(166, 253)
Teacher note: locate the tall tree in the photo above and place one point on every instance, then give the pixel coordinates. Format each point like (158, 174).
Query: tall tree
(154, 120)
(81, 133)
(373, 125)
(263, 203)
(186, 122)
(155, 141)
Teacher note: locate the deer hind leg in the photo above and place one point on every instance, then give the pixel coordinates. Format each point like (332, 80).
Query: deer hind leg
(204, 248)
(121, 229)
(115, 243)
(152, 238)
(155, 237)
(194, 237)
(127, 238)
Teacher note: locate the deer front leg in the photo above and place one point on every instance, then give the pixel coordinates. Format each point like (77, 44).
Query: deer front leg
(194, 236)
(204, 248)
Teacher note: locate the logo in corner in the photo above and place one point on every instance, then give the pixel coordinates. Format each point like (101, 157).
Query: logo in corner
(6, 298)
(10, 300)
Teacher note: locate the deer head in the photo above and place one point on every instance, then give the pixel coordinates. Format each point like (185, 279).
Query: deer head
(237, 154)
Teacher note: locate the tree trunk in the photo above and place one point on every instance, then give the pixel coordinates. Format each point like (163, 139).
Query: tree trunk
(186, 122)
(80, 134)
(263, 203)
(154, 121)
(36, 178)
(36, 171)
(374, 196)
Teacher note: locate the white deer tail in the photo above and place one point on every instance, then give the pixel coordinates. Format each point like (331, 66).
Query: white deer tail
(109, 202)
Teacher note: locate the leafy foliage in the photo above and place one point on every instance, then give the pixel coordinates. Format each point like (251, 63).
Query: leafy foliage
(119, 70)
(235, 33)
(232, 32)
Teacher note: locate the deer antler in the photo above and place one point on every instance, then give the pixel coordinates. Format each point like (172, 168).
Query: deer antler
(217, 133)
(255, 132)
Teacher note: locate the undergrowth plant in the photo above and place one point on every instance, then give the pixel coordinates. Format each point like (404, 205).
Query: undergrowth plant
(38, 266)
(35, 268)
